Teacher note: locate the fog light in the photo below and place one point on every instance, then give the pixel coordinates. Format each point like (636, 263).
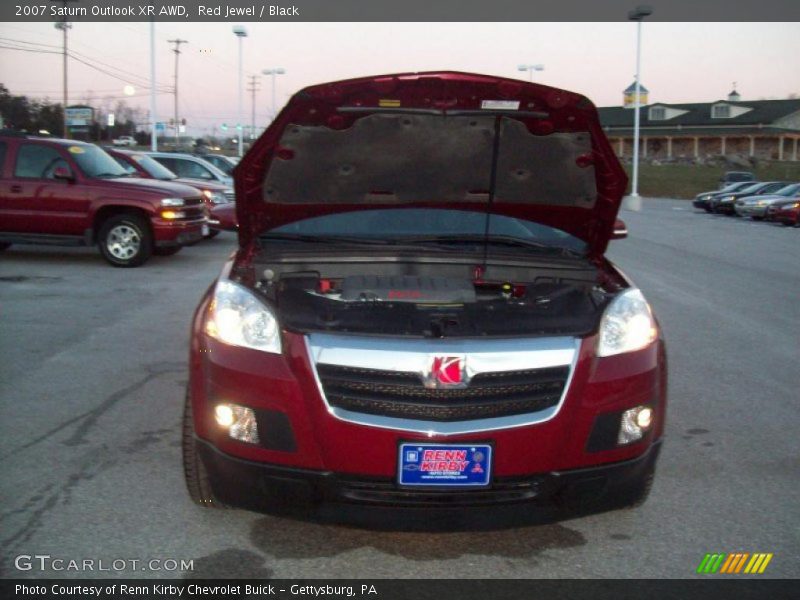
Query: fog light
(634, 424)
(240, 422)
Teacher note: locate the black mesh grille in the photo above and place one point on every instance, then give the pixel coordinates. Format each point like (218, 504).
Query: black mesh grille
(402, 394)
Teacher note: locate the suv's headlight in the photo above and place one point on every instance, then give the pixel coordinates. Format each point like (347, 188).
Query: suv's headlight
(215, 197)
(238, 318)
(627, 324)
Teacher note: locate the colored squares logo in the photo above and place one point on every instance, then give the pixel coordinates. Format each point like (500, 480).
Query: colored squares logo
(736, 563)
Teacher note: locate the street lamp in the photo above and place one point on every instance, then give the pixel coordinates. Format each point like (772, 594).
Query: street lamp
(273, 72)
(241, 33)
(530, 69)
(638, 14)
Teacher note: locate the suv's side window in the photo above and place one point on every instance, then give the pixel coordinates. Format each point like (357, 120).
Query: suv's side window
(37, 161)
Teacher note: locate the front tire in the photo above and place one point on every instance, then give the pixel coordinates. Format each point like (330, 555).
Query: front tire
(194, 471)
(125, 240)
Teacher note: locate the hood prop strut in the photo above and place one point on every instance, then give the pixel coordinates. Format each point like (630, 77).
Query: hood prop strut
(492, 186)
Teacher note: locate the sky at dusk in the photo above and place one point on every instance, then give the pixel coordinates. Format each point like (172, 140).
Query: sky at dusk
(681, 62)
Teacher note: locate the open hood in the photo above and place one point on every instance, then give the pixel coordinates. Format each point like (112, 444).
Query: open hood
(438, 140)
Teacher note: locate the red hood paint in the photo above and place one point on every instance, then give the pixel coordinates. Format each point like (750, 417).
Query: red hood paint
(318, 106)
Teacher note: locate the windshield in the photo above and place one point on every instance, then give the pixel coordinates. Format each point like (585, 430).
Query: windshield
(95, 162)
(753, 188)
(423, 224)
(789, 190)
(153, 167)
(220, 162)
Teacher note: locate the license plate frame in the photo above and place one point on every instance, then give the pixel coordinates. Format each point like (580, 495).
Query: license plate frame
(468, 477)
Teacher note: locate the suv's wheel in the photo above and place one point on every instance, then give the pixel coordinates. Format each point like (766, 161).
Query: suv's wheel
(194, 471)
(125, 240)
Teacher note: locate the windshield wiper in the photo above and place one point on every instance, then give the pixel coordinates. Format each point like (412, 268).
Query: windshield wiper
(320, 239)
(395, 244)
(494, 240)
(109, 175)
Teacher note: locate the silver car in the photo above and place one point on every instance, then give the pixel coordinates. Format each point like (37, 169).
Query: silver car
(756, 206)
(189, 166)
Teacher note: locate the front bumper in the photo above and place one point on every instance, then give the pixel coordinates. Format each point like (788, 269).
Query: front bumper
(169, 234)
(750, 210)
(268, 487)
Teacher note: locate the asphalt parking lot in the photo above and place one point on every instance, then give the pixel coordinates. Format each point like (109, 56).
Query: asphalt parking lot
(91, 389)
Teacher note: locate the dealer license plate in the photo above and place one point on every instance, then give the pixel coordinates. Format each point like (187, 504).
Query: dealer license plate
(445, 465)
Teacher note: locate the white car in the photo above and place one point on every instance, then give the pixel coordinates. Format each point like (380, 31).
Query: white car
(124, 140)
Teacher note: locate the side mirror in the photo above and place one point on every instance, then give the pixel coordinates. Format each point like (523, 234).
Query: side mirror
(620, 230)
(63, 173)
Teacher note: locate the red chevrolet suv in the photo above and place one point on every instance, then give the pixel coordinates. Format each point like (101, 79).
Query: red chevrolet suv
(66, 192)
(420, 314)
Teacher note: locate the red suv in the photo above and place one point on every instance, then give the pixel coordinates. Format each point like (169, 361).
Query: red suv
(219, 199)
(65, 192)
(420, 314)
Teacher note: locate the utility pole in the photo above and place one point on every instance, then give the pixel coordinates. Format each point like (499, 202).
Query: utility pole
(177, 51)
(251, 87)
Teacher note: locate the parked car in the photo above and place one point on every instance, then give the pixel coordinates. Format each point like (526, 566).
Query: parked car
(421, 314)
(735, 177)
(189, 166)
(222, 217)
(214, 195)
(724, 203)
(65, 192)
(785, 211)
(756, 206)
(222, 162)
(702, 199)
(124, 140)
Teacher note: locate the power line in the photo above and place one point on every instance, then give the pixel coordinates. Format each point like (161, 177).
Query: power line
(124, 77)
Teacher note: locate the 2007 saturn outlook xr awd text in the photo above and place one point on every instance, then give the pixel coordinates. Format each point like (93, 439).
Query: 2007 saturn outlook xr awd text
(420, 315)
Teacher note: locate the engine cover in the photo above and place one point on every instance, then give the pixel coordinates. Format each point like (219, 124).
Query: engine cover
(407, 288)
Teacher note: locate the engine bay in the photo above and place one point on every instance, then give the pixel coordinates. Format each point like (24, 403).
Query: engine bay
(434, 299)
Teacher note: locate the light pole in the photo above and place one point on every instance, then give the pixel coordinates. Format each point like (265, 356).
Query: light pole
(530, 69)
(273, 72)
(240, 33)
(638, 14)
(153, 118)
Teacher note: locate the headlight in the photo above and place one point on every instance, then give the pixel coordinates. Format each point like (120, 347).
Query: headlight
(215, 197)
(762, 202)
(627, 324)
(728, 199)
(172, 202)
(238, 318)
